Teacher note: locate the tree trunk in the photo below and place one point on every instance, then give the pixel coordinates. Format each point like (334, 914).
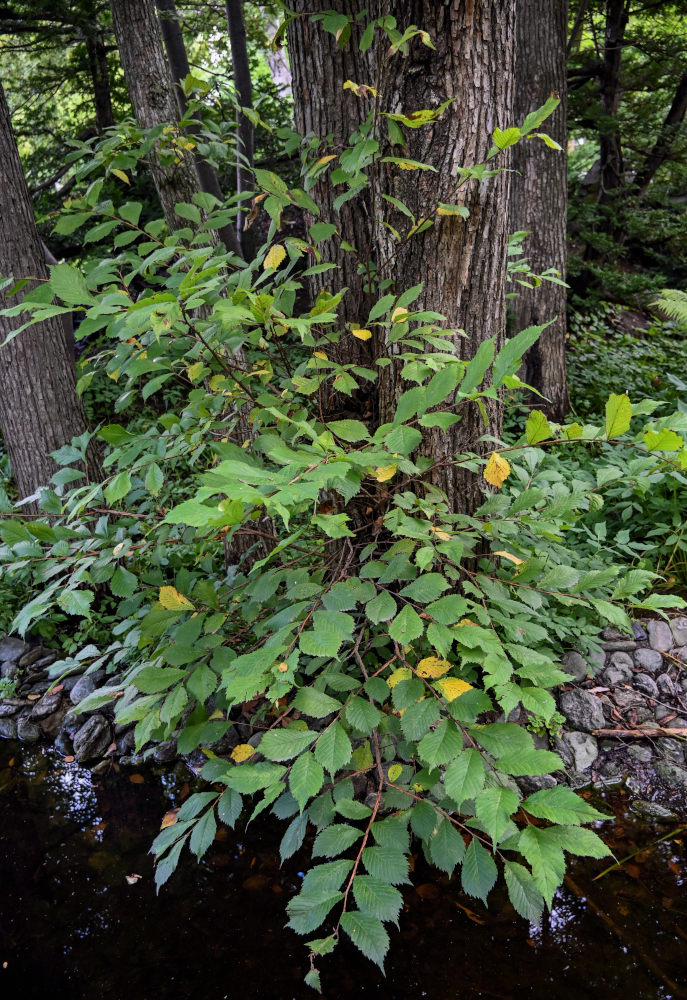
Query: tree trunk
(150, 87)
(462, 263)
(666, 137)
(539, 201)
(97, 62)
(39, 408)
(179, 66)
(244, 92)
(610, 147)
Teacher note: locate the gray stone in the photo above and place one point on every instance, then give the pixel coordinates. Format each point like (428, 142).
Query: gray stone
(611, 633)
(666, 686)
(660, 636)
(48, 704)
(664, 718)
(647, 685)
(12, 650)
(46, 661)
(636, 785)
(678, 627)
(83, 687)
(653, 811)
(577, 780)
(8, 729)
(92, 739)
(574, 664)
(126, 743)
(626, 699)
(610, 768)
(165, 752)
(681, 654)
(621, 645)
(535, 783)
(639, 753)
(613, 676)
(32, 656)
(639, 632)
(672, 775)
(649, 660)
(597, 658)
(622, 661)
(583, 750)
(611, 781)
(670, 749)
(11, 706)
(28, 731)
(582, 710)
(9, 670)
(63, 744)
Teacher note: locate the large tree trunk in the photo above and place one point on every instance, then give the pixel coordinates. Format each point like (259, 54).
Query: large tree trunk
(610, 146)
(39, 409)
(244, 91)
(179, 66)
(150, 87)
(539, 201)
(462, 263)
(97, 62)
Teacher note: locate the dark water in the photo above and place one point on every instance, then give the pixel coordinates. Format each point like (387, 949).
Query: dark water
(72, 926)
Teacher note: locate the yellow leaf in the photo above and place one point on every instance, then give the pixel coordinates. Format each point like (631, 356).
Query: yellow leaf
(169, 819)
(433, 666)
(452, 688)
(172, 600)
(400, 674)
(324, 159)
(361, 334)
(466, 621)
(395, 771)
(399, 315)
(122, 176)
(385, 472)
(194, 371)
(242, 752)
(217, 714)
(509, 555)
(444, 536)
(497, 470)
(274, 257)
(321, 355)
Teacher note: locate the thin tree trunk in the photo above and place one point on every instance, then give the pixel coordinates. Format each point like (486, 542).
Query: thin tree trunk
(179, 66)
(666, 137)
(39, 409)
(244, 92)
(67, 319)
(97, 62)
(610, 146)
(539, 201)
(461, 263)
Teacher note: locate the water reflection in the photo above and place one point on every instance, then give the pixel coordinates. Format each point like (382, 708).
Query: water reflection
(72, 925)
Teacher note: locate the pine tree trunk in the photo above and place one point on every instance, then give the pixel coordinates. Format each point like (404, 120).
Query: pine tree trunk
(150, 87)
(539, 201)
(39, 409)
(462, 263)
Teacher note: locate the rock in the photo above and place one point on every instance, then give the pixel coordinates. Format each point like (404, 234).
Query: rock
(11, 706)
(664, 718)
(32, 656)
(681, 654)
(666, 686)
(8, 670)
(225, 744)
(610, 633)
(678, 627)
(614, 674)
(597, 658)
(621, 645)
(647, 685)
(46, 661)
(68, 683)
(102, 768)
(660, 636)
(610, 768)
(639, 753)
(28, 731)
(92, 739)
(649, 660)
(653, 811)
(639, 632)
(126, 743)
(622, 661)
(626, 699)
(670, 749)
(165, 752)
(672, 775)
(582, 710)
(8, 729)
(583, 749)
(11, 651)
(609, 782)
(577, 780)
(63, 744)
(48, 704)
(536, 783)
(83, 687)
(574, 663)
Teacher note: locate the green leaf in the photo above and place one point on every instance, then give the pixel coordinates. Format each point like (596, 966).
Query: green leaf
(310, 701)
(294, 837)
(545, 856)
(306, 779)
(426, 588)
(441, 745)
(76, 602)
(321, 231)
(618, 415)
(494, 807)
(561, 805)
(362, 715)
(386, 864)
(282, 744)
(333, 749)
(69, 284)
(537, 427)
(381, 608)
(377, 898)
(406, 626)
(447, 847)
(416, 720)
(118, 488)
(509, 357)
(577, 840)
(335, 839)
(154, 479)
(523, 892)
(368, 934)
(349, 430)
(123, 583)
(203, 833)
(530, 762)
(478, 873)
(307, 911)
(229, 807)
(506, 138)
(477, 368)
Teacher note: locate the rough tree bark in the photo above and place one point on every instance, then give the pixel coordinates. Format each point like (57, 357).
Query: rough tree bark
(179, 66)
(151, 90)
(39, 408)
(97, 63)
(610, 146)
(244, 92)
(462, 264)
(539, 201)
